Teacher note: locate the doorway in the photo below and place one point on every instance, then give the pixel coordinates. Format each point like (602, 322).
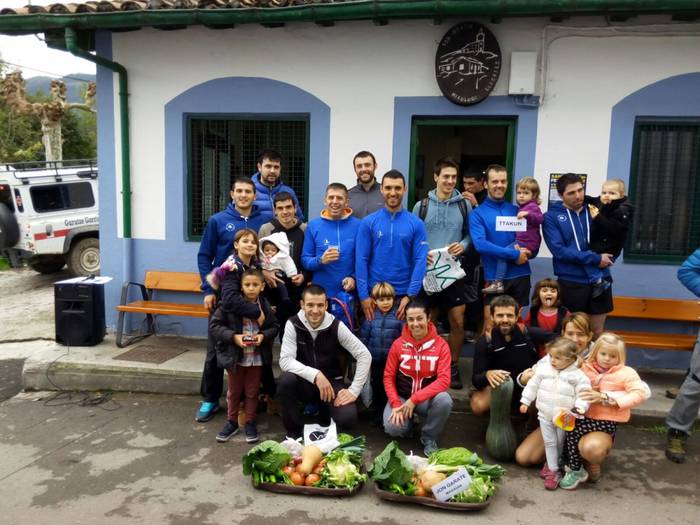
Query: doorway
(473, 142)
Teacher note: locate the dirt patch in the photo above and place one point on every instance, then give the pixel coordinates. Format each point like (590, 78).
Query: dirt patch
(27, 306)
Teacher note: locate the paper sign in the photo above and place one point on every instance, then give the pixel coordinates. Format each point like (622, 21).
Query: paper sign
(444, 271)
(452, 485)
(100, 279)
(510, 224)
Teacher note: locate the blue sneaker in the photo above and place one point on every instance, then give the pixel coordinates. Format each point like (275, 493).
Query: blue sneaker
(206, 411)
(230, 429)
(251, 432)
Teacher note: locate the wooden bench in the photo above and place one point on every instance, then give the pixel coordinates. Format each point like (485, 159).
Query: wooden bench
(659, 310)
(186, 282)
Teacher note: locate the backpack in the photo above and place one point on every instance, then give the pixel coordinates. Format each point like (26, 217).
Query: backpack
(343, 308)
(461, 204)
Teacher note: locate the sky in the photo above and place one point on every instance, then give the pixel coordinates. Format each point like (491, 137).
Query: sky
(31, 54)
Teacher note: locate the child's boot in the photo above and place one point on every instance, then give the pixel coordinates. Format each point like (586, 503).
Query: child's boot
(552, 479)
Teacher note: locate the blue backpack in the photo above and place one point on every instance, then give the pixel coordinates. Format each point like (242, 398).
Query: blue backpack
(343, 308)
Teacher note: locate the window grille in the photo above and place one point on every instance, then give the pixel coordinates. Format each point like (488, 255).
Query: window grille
(223, 149)
(665, 190)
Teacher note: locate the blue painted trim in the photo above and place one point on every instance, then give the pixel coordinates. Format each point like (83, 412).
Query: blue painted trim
(405, 108)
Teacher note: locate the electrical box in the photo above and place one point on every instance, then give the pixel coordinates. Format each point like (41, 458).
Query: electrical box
(523, 73)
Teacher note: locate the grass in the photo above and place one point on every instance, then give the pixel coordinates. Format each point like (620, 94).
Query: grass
(4, 264)
(661, 429)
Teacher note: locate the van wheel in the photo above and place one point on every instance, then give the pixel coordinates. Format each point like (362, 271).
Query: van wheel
(84, 257)
(46, 263)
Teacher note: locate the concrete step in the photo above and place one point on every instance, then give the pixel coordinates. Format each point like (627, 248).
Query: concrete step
(49, 366)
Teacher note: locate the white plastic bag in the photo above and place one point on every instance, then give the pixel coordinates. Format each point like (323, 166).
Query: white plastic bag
(294, 446)
(444, 271)
(325, 438)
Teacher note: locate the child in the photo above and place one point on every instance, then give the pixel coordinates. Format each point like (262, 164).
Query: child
(274, 256)
(556, 385)
(528, 198)
(611, 214)
(616, 390)
(243, 347)
(545, 311)
(228, 275)
(378, 335)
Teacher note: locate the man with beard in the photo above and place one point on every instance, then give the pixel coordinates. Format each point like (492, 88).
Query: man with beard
(504, 352)
(268, 183)
(366, 196)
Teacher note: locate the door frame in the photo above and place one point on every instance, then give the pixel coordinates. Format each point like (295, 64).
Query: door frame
(509, 122)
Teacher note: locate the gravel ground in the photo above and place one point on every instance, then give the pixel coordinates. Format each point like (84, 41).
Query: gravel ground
(27, 306)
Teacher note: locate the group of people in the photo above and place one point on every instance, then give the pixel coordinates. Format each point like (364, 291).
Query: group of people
(267, 274)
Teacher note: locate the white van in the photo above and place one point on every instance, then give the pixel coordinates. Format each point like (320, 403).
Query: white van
(56, 206)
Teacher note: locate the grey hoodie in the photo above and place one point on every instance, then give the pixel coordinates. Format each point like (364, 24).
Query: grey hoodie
(444, 222)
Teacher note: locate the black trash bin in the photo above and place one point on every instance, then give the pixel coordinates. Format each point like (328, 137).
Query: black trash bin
(80, 313)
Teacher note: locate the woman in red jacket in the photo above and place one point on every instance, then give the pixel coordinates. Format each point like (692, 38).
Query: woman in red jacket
(416, 379)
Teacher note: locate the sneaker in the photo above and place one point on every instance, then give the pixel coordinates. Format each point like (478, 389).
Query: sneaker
(456, 378)
(599, 288)
(672, 393)
(429, 446)
(206, 411)
(551, 481)
(594, 472)
(544, 471)
(494, 287)
(311, 409)
(572, 479)
(230, 429)
(675, 445)
(251, 432)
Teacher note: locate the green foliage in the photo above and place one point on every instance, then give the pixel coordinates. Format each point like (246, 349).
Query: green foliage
(391, 469)
(4, 264)
(268, 457)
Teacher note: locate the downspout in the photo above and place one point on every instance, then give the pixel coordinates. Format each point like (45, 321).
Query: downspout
(71, 39)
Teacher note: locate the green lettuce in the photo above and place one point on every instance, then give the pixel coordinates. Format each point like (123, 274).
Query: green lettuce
(268, 457)
(454, 457)
(392, 470)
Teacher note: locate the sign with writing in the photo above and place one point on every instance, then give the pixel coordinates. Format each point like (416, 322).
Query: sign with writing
(510, 224)
(467, 63)
(553, 193)
(452, 485)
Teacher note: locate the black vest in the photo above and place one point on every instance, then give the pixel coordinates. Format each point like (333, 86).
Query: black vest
(324, 352)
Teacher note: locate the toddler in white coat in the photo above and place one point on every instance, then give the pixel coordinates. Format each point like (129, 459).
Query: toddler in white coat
(557, 385)
(274, 256)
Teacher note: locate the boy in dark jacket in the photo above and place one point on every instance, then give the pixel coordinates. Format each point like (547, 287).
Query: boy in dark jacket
(243, 347)
(611, 214)
(378, 336)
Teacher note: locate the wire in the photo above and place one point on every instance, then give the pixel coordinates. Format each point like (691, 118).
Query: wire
(44, 71)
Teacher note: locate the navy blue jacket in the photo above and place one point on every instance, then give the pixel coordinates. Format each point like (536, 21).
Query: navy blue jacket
(264, 198)
(379, 333)
(566, 234)
(217, 241)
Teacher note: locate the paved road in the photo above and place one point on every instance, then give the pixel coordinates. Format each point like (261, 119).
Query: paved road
(142, 459)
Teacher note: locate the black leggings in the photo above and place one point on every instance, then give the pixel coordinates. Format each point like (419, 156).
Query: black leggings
(584, 426)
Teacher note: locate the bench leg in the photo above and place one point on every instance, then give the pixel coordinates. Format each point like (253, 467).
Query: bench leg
(120, 331)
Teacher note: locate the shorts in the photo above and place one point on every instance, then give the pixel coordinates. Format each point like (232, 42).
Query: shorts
(518, 288)
(453, 295)
(576, 297)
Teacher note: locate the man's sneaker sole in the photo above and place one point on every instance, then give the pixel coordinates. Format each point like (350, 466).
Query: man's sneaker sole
(208, 417)
(224, 439)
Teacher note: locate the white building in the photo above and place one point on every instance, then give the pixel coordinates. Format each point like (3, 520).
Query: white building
(607, 89)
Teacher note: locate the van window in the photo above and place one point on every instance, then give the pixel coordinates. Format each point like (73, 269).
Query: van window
(56, 197)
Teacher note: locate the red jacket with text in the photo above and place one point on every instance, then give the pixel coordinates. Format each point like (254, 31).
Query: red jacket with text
(417, 370)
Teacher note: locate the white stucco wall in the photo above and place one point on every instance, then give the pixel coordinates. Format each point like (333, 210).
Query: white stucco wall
(358, 68)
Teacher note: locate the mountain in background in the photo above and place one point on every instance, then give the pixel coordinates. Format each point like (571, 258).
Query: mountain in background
(74, 85)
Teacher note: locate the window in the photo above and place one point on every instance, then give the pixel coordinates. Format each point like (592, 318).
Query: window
(223, 149)
(665, 190)
(56, 197)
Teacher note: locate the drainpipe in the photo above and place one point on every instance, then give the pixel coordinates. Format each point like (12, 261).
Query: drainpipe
(71, 39)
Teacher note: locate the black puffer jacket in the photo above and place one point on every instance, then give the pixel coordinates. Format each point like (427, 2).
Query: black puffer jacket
(223, 325)
(609, 228)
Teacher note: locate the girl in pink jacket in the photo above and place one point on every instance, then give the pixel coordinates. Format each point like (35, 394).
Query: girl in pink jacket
(616, 390)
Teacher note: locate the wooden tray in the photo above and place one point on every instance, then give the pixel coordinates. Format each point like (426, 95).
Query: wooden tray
(282, 488)
(429, 502)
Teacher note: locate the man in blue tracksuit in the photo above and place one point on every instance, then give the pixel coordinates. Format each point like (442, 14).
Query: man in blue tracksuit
(268, 184)
(329, 243)
(216, 245)
(445, 215)
(392, 246)
(494, 242)
(567, 229)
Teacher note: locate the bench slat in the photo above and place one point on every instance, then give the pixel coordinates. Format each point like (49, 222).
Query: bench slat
(172, 281)
(658, 341)
(165, 308)
(659, 309)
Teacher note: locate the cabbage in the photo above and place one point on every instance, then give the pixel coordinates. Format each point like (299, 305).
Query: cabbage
(340, 471)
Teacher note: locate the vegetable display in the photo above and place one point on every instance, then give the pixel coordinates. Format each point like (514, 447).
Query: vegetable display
(393, 472)
(272, 462)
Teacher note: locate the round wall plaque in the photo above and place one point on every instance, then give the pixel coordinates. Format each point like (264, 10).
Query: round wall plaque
(467, 63)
